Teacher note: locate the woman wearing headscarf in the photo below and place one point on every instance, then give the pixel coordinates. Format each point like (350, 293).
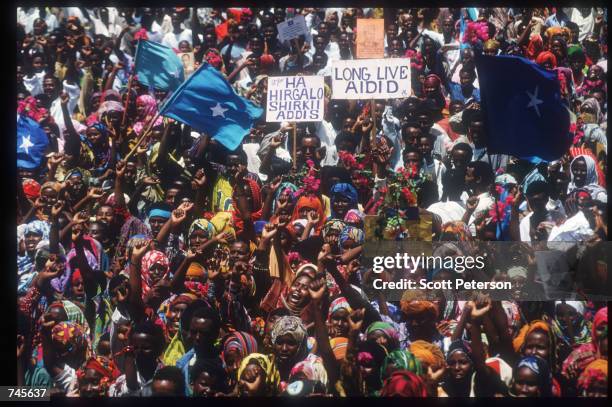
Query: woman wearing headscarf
(403, 383)
(310, 368)
(289, 341)
(154, 266)
(256, 366)
(236, 346)
(305, 204)
(331, 233)
(593, 382)
(400, 359)
(586, 353)
(584, 175)
(458, 377)
(343, 197)
(146, 109)
(170, 312)
(337, 318)
(536, 338)
(532, 378)
(428, 354)
(384, 334)
(570, 327)
(349, 238)
(95, 377)
(97, 141)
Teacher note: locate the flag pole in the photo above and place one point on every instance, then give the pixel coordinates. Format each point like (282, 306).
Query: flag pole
(294, 152)
(127, 100)
(373, 114)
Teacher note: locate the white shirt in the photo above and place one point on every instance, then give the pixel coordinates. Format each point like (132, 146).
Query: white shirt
(34, 83)
(447, 211)
(172, 40)
(327, 135)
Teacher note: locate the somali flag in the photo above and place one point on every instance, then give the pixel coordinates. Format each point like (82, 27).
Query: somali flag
(524, 113)
(157, 66)
(207, 103)
(32, 142)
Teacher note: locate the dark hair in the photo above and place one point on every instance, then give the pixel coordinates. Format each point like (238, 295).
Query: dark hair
(537, 187)
(410, 149)
(239, 152)
(470, 116)
(150, 328)
(214, 368)
(172, 374)
(200, 309)
(483, 170)
(116, 281)
(463, 147)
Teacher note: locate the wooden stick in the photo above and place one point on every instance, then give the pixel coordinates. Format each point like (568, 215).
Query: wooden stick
(294, 145)
(127, 100)
(142, 137)
(373, 113)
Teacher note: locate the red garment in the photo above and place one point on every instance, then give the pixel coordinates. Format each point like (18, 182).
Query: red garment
(256, 210)
(535, 46)
(313, 202)
(546, 56)
(403, 383)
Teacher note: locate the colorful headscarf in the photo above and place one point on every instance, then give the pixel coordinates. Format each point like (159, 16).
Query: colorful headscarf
(601, 318)
(339, 346)
(69, 334)
(528, 328)
(351, 233)
(541, 368)
(459, 345)
(457, 229)
(403, 383)
(222, 221)
(427, 353)
(293, 326)
(333, 225)
(109, 106)
(346, 191)
(202, 224)
(354, 217)
(242, 342)
(582, 332)
(389, 331)
(314, 203)
(312, 367)
(31, 188)
(105, 367)
(546, 56)
(416, 307)
(286, 188)
(151, 258)
(338, 304)
(269, 367)
(403, 360)
(594, 375)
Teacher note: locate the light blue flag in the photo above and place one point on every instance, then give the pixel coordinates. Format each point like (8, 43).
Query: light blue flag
(32, 142)
(157, 66)
(207, 103)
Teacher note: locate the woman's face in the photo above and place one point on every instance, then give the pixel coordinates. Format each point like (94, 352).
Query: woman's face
(89, 385)
(536, 344)
(304, 212)
(557, 48)
(285, 348)
(78, 289)
(526, 383)
(338, 323)
(48, 197)
(341, 206)
(105, 215)
(566, 315)
(204, 384)
(379, 337)
(94, 136)
(239, 252)
(459, 366)
(174, 317)
(197, 238)
(77, 187)
(579, 170)
(31, 241)
(298, 293)
(232, 360)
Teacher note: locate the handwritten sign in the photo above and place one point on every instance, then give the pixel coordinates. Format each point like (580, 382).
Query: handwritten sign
(370, 38)
(295, 99)
(292, 28)
(371, 78)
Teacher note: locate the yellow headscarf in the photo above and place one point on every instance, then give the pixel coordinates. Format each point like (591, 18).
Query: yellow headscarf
(272, 378)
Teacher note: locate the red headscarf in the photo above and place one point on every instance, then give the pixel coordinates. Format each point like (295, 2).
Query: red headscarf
(313, 202)
(403, 383)
(601, 317)
(546, 56)
(31, 188)
(536, 45)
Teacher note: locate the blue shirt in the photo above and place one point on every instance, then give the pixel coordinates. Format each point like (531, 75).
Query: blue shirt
(456, 92)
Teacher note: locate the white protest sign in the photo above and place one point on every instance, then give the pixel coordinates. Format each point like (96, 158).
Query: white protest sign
(292, 28)
(295, 99)
(371, 78)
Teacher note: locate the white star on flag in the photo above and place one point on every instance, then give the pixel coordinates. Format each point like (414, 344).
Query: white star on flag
(26, 144)
(534, 101)
(218, 110)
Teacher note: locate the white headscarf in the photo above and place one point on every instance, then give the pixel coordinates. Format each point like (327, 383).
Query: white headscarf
(591, 176)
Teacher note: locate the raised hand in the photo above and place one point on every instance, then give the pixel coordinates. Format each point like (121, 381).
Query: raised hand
(95, 193)
(199, 179)
(56, 209)
(120, 169)
(80, 217)
(52, 269)
(139, 251)
(355, 319)
(313, 217)
(152, 180)
(269, 231)
(317, 288)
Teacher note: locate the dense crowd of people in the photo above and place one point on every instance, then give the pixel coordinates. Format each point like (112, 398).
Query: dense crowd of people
(177, 267)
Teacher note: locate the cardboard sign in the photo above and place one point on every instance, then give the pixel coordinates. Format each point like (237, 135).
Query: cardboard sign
(371, 78)
(188, 61)
(370, 38)
(295, 99)
(292, 28)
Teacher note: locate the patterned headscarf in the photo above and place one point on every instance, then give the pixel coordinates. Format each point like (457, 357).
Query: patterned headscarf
(403, 383)
(272, 379)
(351, 233)
(287, 188)
(105, 367)
(403, 360)
(109, 106)
(354, 217)
(333, 225)
(339, 347)
(151, 258)
(458, 229)
(416, 307)
(594, 375)
(389, 331)
(202, 224)
(427, 353)
(292, 326)
(312, 367)
(242, 342)
(69, 334)
(459, 346)
(541, 368)
(601, 318)
(338, 304)
(519, 341)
